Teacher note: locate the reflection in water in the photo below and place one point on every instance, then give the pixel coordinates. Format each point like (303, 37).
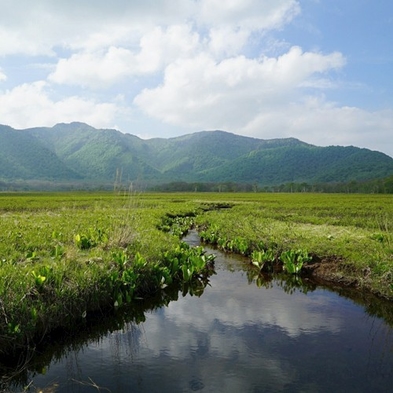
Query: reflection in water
(247, 333)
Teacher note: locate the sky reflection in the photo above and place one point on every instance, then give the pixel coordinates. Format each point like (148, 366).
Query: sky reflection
(239, 338)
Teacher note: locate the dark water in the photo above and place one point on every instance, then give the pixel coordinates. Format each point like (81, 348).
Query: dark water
(277, 336)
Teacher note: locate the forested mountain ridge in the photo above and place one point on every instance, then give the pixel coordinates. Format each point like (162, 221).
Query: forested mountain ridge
(78, 152)
(22, 156)
(306, 163)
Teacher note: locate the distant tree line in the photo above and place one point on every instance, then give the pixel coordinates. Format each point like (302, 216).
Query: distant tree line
(377, 186)
(49, 186)
(181, 186)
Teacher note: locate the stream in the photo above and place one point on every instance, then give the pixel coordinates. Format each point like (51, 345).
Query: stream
(245, 333)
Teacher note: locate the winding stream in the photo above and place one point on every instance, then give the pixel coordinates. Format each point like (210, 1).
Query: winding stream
(244, 334)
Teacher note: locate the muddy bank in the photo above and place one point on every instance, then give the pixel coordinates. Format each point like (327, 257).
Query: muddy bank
(336, 272)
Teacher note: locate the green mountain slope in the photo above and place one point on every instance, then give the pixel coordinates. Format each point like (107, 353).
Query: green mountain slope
(185, 157)
(24, 157)
(304, 163)
(77, 151)
(97, 154)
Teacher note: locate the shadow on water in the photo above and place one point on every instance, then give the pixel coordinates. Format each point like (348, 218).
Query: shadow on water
(249, 331)
(374, 306)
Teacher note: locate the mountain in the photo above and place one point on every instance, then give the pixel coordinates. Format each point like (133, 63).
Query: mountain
(305, 163)
(96, 154)
(22, 156)
(189, 157)
(77, 152)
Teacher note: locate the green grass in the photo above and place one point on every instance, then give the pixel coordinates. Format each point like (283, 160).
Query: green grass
(354, 231)
(66, 255)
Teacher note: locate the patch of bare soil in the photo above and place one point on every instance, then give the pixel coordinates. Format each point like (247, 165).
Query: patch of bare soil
(330, 269)
(334, 271)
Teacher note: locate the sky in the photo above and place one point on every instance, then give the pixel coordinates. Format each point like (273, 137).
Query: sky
(317, 70)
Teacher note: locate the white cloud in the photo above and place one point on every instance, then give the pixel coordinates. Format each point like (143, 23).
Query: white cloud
(30, 105)
(161, 47)
(226, 41)
(39, 27)
(296, 66)
(322, 123)
(95, 69)
(104, 68)
(229, 94)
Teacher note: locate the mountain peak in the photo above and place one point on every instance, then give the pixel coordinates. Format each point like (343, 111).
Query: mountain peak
(73, 125)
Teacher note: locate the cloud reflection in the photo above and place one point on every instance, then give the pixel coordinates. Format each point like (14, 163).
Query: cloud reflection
(238, 337)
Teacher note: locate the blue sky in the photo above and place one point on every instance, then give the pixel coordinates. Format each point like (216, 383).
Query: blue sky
(317, 70)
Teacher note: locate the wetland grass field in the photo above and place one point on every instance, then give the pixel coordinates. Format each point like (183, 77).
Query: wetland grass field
(66, 256)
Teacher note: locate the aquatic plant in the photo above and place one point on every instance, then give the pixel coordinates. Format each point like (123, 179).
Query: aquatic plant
(177, 225)
(211, 235)
(260, 258)
(191, 262)
(294, 260)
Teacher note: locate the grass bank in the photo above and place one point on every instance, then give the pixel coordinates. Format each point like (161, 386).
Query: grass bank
(66, 256)
(348, 238)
